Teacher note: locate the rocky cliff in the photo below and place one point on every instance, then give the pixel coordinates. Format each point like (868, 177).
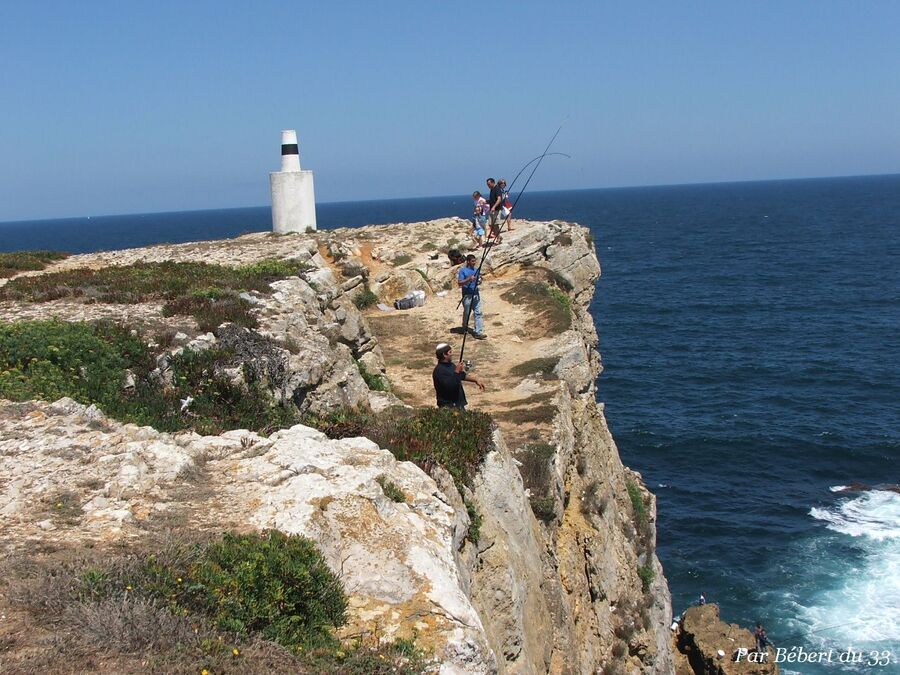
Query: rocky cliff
(543, 560)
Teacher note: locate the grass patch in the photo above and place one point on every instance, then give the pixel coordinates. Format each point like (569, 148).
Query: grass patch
(208, 292)
(647, 575)
(85, 361)
(365, 298)
(391, 490)
(542, 414)
(27, 261)
(551, 305)
(475, 522)
(457, 440)
(638, 508)
(374, 381)
(540, 366)
(401, 260)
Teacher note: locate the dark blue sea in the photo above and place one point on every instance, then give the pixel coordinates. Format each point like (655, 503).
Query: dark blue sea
(751, 342)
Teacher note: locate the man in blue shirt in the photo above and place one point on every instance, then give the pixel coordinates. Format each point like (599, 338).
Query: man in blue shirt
(468, 279)
(448, 379)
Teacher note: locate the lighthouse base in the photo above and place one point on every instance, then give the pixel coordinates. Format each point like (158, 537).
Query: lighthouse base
(293, 201)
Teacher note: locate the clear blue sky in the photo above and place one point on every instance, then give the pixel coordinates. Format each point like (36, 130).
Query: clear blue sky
(120, 107)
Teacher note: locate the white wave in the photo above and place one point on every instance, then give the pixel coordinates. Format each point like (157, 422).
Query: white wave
(863, 609)
(874, 514)
(839, 488)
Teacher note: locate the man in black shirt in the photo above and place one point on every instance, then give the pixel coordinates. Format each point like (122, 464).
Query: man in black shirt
(496, 203)
(448, 379)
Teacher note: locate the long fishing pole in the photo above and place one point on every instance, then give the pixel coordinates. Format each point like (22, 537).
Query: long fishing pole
(522, 170)
(484, 253)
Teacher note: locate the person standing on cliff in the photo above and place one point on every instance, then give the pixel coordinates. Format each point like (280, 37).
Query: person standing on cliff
(448, 379)
(495, 201)
(468, 279)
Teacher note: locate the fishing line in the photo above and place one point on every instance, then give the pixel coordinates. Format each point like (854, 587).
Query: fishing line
(486, 251)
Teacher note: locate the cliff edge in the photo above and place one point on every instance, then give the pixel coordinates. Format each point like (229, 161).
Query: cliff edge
(538, 558)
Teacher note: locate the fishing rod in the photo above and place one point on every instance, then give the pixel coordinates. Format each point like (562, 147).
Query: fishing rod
(522, 170)
(484, 253)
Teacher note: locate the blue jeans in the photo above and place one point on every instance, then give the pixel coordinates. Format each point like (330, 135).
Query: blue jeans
(467, 307)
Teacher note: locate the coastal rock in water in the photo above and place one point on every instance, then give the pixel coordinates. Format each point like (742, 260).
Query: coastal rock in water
(703, 635)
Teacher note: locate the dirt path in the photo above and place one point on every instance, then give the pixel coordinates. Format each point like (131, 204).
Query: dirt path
(510, 361)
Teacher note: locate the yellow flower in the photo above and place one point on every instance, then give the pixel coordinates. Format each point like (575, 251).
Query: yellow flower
(204, 672)
(235, 651)
(128, 588)
(178, 580)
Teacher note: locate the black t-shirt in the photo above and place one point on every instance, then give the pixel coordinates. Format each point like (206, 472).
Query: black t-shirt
(496, 193)
(448, 386)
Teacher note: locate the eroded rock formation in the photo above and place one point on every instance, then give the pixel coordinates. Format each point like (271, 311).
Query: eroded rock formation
(576, 589)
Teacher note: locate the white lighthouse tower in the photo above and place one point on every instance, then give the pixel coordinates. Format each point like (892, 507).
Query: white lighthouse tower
(293, 194)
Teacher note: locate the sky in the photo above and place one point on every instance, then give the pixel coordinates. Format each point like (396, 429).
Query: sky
(130, 107)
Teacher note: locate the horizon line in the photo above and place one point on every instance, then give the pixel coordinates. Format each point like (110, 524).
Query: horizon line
(393, 199)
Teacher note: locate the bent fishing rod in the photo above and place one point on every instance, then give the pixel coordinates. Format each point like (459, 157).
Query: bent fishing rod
(484, 254)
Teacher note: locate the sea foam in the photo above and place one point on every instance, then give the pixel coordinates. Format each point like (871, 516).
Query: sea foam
(863, 609)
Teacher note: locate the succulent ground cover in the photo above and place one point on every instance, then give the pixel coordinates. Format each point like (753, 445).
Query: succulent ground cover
(248, 603)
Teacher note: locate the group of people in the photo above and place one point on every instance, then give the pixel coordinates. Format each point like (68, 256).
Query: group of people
(491, 213)
(495, 213)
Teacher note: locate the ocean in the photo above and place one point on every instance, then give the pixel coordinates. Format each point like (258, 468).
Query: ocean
(750, 334)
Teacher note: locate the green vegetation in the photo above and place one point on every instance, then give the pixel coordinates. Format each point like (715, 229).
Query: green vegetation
(542, 365)
(211, 308)
(274, 585)
(647, 575)
(401, 259)
(544, 508)
(638, 508)
(25, 261)
(391, 490)
(457, 440)
(51, 359)
(250, 603)
(208, 292)
(475, 522)
(374, 381)
(551, 305)
(365, 298)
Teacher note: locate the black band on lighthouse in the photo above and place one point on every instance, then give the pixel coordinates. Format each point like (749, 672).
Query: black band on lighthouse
(290, 149)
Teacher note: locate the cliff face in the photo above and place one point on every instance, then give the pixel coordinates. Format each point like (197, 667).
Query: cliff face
(563, 576)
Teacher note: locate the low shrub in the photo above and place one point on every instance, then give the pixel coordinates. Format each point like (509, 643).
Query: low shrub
(365, 298)
(638, 508)
(647, 575)
(254, 604)
(391, 490)
(26, 261)
(211, 310)
(475, 521)
(401, 259)
(544, 508)
(374, 381)
(457, 440)
(86, 361)
(209, 292)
